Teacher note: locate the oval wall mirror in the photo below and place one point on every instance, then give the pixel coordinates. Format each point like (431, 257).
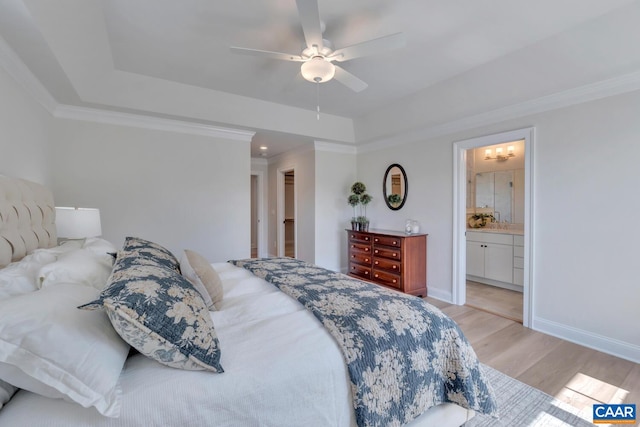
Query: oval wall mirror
(395, 187)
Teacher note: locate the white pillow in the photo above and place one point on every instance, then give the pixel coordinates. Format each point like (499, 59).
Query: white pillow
(198, 270)
(19, 278)
(6, 391)
(22, 276)
(100, 247)
(81, 266)
(190, 274)
(51, 348)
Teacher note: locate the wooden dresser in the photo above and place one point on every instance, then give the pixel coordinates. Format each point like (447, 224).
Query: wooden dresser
(390, 258)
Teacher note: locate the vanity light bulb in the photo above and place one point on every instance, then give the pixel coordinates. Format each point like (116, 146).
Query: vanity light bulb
(487, 153)
(510, 150)
(499, 151)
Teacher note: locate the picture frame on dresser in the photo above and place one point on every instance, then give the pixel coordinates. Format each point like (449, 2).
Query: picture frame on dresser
(389, 258)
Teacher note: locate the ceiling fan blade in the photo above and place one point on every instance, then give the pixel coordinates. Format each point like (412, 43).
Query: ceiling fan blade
(310, 20)
(349, 80)
(267, 54)
(371, 47)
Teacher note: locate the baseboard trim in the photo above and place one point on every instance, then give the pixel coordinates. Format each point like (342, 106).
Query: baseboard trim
(440, 295)
(598, 342)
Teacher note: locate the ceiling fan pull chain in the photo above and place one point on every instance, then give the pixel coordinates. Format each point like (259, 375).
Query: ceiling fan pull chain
(318, 99)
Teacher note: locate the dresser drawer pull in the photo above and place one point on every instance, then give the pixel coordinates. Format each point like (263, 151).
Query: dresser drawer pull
(366, 260)
(395, 267)
(394, 280)
(376, 251)
(366, 273)
(395, 243)
(366, 249)
(376, 240)
(376, 276)
(395, 254)
(366, 238)
(377, 262)
(353, 256)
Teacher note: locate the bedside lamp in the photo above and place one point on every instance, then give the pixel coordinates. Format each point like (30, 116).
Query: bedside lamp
(78, 223)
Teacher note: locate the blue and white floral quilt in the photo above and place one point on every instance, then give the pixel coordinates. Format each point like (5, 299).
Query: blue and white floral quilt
(403, 355)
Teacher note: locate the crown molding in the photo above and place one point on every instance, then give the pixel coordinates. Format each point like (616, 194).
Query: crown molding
(17, 69)
(590, 92)
(258, 161)
(334, 147)
(149, 122)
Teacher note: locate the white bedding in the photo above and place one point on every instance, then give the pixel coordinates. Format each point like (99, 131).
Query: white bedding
(281, 369)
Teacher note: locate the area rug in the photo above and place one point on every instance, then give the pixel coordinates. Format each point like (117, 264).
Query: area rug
(521, 405)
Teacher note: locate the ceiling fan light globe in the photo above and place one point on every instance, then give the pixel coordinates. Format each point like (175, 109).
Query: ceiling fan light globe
(317, 70)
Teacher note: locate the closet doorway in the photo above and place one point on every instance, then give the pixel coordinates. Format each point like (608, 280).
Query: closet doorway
(258, 239)
(287, 212)
(492, 232)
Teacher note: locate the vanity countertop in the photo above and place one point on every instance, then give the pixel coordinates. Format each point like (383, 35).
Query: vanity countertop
(497, 231)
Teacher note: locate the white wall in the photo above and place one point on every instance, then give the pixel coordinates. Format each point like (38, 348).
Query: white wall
(586, 205)
(335, 172)
(24, 130)
(182, 191)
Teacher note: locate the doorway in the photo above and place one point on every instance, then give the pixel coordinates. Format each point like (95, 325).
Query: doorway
(470, 245)
(257, 207)
(495, 226)
(287, 212)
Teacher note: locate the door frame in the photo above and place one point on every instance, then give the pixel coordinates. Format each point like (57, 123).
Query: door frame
(262, 238)
(280, 210)
(459, 292)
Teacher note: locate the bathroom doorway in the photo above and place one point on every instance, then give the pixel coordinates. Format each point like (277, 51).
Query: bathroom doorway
(495, 228)
(492, 232)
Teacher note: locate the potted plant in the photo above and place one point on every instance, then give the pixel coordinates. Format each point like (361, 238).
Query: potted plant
(354, 201)
(365, 199)
(359, 197)
(394, 199)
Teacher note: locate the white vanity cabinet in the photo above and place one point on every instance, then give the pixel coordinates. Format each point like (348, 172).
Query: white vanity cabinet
(490, 259)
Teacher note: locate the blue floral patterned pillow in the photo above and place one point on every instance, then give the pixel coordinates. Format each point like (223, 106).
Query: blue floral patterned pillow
(161, 314)
(145, 249)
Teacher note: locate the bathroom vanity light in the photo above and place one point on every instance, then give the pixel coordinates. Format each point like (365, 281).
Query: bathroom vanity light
(500, 156)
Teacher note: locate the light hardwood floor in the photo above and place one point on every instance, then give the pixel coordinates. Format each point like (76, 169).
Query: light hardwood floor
(572, 373)
(503, 302)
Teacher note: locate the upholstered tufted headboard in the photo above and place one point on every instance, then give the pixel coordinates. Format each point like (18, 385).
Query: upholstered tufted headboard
(27, 218)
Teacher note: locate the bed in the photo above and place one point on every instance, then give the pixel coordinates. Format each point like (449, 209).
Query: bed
(269, 356)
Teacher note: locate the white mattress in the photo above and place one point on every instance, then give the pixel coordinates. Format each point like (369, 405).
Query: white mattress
(281, 369)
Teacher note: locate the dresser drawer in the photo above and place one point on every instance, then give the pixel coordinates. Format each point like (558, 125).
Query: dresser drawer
(359, 237)
(360, 257)
(387, 253)
(360, 247)
(388, 279)
(387, 241)
(387, 264)
(359, 270)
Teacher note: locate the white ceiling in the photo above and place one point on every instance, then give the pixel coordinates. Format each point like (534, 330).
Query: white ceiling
(171, 59)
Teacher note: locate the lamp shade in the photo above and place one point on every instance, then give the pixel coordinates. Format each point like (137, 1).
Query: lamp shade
(78, 223)
(318, 70)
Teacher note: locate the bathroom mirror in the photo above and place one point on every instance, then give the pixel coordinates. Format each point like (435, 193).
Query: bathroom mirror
(501, 193)
(395, 187)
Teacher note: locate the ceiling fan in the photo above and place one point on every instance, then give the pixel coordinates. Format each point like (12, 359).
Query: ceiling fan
(319, 56)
